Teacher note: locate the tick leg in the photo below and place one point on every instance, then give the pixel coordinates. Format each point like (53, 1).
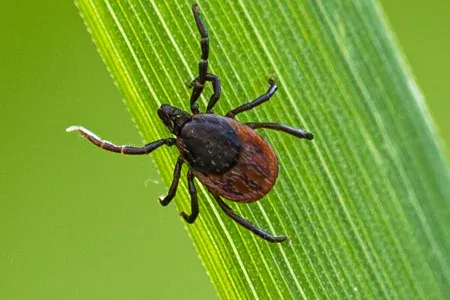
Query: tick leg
(199, 82)
(250, 226)
(216, 95)
(215, 80)
(194, 201)
(173, 187)
(300, 133)
(124, 149)
(258, 101)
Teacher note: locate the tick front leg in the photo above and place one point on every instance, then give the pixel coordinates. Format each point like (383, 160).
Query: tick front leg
(250, 226)
(194, 201)
(123, 149)
(199, 82)
(217, 90)
(173, 187)
(300, 133)
(216, 94)
(258, 101)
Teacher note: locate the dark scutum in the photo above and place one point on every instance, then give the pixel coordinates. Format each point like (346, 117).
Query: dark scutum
(209, 144)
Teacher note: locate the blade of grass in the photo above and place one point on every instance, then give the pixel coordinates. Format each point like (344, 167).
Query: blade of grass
(366, 203)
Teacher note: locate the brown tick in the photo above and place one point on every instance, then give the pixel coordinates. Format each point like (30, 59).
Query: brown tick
(228, 157)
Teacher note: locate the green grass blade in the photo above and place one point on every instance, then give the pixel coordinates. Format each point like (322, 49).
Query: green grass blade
(366, 203)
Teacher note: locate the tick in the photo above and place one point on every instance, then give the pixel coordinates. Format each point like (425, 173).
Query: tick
(227, 156)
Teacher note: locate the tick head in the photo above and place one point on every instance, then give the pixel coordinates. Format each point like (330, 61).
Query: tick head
(174, 118)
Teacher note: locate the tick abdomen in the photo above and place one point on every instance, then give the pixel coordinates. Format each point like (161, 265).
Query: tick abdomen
(248, 165)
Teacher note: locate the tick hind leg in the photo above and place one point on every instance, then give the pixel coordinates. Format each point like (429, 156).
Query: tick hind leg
(247, 225)
(123, 149)
(194, 201)
(198, 83)
(258, 101)
(300, 133)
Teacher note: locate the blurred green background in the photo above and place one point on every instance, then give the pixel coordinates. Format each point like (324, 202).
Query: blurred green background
(79, 223)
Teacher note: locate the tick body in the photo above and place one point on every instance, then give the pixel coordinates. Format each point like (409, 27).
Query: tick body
(234, 162)
(229, 157)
